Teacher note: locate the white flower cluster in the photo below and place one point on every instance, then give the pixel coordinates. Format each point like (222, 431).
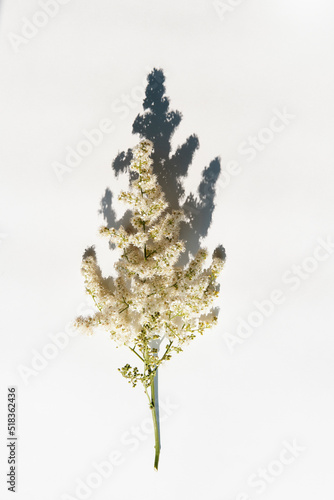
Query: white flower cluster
(152, 297)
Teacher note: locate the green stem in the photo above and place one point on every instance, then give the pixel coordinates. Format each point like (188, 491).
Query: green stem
(152, 402)
(136, 353)
(155, 422)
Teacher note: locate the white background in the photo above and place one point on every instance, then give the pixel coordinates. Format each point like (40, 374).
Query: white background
(231, 409)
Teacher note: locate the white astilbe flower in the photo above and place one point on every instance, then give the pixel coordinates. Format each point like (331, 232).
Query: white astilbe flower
(152, 298)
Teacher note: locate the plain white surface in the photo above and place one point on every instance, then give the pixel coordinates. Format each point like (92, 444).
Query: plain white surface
(228, 413)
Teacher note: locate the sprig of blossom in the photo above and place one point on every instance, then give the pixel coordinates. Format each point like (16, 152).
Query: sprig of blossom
(152, 298)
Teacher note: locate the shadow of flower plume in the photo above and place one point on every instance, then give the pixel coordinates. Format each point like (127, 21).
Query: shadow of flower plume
(158, 124)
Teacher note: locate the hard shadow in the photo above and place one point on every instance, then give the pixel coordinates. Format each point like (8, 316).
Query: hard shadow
(158, 124)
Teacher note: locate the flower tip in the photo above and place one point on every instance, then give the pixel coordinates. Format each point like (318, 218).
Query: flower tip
(104, 231)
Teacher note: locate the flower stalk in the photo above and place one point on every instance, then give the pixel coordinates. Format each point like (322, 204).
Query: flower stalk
(155, 421)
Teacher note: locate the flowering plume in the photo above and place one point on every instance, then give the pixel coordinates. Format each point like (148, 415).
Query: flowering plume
(152, 299)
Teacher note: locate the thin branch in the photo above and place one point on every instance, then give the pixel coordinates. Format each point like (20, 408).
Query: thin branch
(124, 309)
(139, 356)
